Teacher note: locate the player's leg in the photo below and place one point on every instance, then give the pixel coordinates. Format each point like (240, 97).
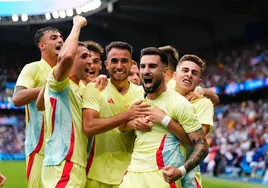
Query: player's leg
(34, 163)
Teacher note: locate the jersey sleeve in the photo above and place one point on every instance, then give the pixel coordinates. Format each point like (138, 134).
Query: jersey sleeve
(54, 85)
(91, 98)
(205, 112)
(187, 117)
(27, 77)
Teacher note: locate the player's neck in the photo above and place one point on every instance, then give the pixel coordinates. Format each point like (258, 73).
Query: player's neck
(74, 78)
(161, 89)
(121, 86)
(180, 91)
(52, 61)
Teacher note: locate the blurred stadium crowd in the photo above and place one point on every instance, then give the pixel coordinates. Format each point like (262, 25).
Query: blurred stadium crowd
(239, 141)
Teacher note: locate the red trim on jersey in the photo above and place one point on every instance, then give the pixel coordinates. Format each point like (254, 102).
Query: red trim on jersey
(197, 183)
(91, 156)
(172, 185)
(30, 164)
(36, 150)
(123, 177)
(65, 176)
(53, 103)
(28, 114)
(71, 149)
(41, 137)
(159, 156)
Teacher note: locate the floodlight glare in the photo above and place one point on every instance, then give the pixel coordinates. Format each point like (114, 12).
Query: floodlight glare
(15, 18)
(48, 16)
(55, 14)
(69, 12)
(24, 17)
(62, 14)
(78, 10)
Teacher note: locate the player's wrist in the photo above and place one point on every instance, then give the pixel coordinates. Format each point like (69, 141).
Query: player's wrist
(182, 169)
(166, 120)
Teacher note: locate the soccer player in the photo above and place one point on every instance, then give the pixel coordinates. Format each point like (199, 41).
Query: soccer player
(65, 147)
(104, 112)
(95, 51)
(198, 92)
(30, 81)
(188, 77)
(157, 149)
(134, 75)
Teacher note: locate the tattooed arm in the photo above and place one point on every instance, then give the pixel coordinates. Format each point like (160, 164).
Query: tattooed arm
(200, 151)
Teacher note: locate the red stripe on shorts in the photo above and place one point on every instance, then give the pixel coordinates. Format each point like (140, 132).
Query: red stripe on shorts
(159, 155)
(91, 156)
(30, 164)
(197, 183)
(65, 175)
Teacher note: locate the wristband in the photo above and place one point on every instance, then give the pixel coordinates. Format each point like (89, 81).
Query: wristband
(183, 171)
(165, 121)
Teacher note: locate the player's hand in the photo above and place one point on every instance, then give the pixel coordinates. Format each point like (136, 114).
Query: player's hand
(138, 109)
(196, 94)
(100, 82)
(171, 174)
(2, 180)
(79, 20)
(143, 124)
(157, 115)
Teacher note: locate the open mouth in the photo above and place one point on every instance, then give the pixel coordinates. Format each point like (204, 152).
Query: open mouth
(147, 82)
(58, 48)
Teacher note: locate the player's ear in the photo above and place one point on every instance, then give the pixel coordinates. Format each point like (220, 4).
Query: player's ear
(41, 45)
(106, 64)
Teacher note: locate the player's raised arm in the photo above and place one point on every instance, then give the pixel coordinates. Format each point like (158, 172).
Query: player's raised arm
(69, 49)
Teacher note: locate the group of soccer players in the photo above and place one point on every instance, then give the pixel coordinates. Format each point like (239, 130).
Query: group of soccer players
(84, 130)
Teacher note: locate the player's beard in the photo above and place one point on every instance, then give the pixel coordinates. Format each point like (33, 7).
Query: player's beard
(153, 88)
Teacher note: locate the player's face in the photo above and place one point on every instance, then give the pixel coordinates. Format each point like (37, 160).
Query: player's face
(94, 65)
(81, 63)
(188, 76)
(134, 75)
(118, 64)
(151, 72)
(51, 43)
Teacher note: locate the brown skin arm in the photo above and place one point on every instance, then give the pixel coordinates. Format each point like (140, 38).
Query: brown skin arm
(40, 102)
(23, 96)
(174, 127)
(212, 96)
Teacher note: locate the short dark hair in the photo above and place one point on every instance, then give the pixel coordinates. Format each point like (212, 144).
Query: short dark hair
(40, 33)
(173, 56)
(94, 46)
(155, 51)
(119, 45)
(193, 58)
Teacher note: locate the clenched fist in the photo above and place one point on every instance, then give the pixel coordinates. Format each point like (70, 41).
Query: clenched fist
(79, 20)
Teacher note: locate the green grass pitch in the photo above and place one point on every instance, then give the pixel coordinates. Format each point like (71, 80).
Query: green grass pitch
(15, 174)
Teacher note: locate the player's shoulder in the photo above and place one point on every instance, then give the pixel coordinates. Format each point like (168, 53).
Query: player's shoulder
(176, 97)
(203, 101)
(135, 88)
